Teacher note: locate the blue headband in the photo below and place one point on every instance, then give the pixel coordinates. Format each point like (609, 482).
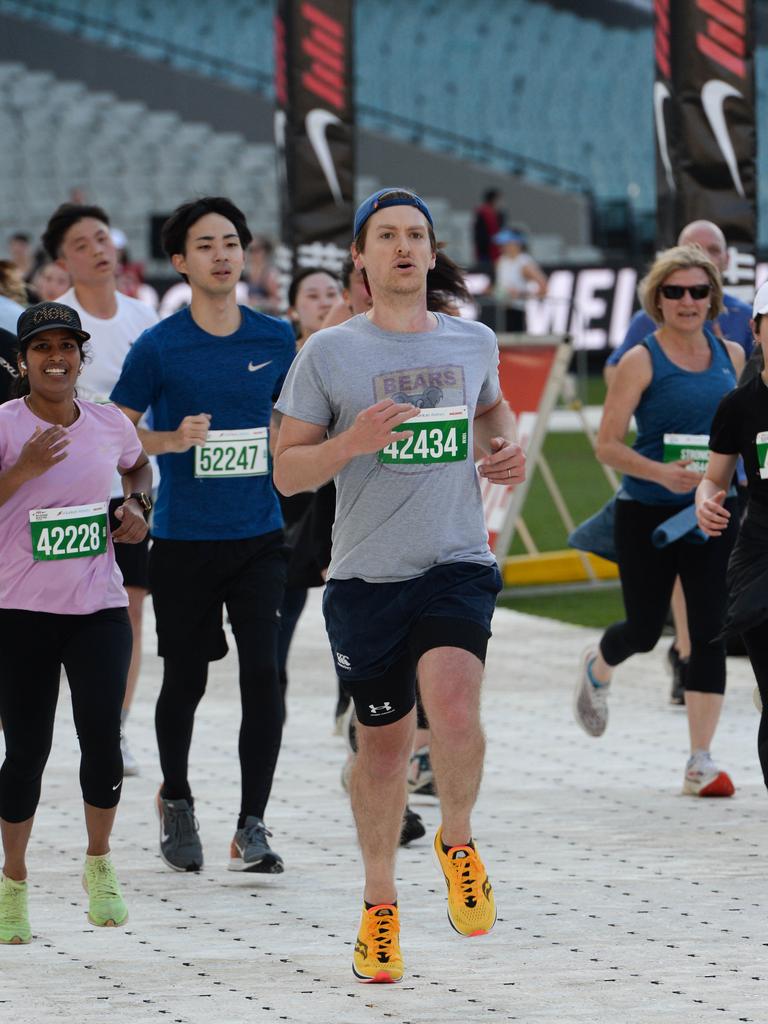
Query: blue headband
(375, 202)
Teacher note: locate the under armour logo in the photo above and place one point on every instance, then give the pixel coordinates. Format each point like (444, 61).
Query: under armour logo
(342, 661)
(381, 709)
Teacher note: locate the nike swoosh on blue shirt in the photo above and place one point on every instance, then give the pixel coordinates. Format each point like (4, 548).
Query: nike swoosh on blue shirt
(261, 366)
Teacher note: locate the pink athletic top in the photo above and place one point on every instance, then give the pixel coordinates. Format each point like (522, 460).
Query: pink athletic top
(102, 437)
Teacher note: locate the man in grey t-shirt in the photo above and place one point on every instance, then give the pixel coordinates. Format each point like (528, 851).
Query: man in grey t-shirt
(392, 405)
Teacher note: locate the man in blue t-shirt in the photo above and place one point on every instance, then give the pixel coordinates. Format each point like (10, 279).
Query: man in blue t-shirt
(733, 322)
(210, 375)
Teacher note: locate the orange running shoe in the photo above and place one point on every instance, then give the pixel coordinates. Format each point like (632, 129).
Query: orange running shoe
(377, 955)
(471, 906)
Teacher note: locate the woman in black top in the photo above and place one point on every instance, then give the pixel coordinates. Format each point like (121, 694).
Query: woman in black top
(740, 427)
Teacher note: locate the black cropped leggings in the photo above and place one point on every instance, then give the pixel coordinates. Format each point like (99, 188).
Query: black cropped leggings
(647, 578)
(95, 651)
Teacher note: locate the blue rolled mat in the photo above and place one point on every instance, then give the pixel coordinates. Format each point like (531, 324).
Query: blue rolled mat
(680, 526)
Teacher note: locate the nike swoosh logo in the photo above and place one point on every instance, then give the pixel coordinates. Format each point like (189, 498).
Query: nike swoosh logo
(261, 366)
(713, 97)
(660, 96)
(117, 786)
(316, 123)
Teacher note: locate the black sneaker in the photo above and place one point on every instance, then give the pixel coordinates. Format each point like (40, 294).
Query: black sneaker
(413, 827)
(250, 851)
(180, 845)
(678, 668)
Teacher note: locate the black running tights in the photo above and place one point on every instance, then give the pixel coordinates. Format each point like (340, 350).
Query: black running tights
(756, 643)
(184, 682)
(647, 577)
(95, 650)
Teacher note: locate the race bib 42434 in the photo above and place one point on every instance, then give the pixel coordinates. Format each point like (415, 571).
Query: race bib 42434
(79, 531)
(439, 435)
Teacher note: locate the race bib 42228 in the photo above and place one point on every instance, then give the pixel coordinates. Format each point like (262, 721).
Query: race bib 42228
(79, 531)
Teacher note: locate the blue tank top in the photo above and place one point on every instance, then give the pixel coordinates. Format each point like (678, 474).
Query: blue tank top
(676, 401)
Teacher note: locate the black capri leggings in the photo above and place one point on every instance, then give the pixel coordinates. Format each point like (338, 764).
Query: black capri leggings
(647, 578)
(95, 650)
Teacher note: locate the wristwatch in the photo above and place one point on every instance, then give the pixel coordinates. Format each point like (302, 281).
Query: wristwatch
(143, 499)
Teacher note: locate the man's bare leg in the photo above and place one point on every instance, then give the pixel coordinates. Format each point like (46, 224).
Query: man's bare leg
(450, 680)
(378, 793)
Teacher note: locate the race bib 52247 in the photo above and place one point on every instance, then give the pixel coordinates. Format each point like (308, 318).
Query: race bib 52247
(229, 453)
(439, 435)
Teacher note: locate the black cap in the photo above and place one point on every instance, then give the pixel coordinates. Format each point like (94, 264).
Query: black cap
(48, 316)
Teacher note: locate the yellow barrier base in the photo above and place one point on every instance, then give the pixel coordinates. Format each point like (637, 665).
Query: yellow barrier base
(555, 567)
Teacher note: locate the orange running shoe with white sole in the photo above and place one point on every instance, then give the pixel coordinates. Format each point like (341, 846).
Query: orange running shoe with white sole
(377, 958)
(471, 906)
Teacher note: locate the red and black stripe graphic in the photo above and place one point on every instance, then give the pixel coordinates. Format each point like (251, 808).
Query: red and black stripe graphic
(704, 108)
(314, 130)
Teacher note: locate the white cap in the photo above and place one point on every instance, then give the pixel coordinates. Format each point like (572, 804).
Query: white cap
(760, 305)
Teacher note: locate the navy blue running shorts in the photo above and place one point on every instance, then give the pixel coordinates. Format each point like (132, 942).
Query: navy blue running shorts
(379, 631)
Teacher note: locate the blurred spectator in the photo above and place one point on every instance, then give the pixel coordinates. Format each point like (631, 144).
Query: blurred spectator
(261, 277)
(489, 219)
(518, 276)
(355, 297)
(20, 249)
(50, 281)
(129, 274)
(13, 295)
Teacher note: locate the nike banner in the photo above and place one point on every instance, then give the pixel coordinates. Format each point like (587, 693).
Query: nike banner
(704, 109)
(314, 131)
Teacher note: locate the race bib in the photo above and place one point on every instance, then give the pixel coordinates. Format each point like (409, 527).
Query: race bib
(233, 453)
(688, 446)
(79, 531)
(761, 441)
(439, 435)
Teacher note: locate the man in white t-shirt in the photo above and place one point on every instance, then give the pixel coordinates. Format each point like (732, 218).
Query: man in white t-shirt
(78, 238)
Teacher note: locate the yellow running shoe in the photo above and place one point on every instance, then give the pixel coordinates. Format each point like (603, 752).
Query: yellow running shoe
(471, 906)
(377, 955)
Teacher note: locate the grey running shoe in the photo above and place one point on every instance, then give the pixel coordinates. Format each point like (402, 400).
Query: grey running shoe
(130, 764)
(590, 705)
(180, 845)
(420, 777)
(250, 851)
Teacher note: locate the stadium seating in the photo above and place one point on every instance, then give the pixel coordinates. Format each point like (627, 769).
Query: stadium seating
(116, 152)
(553, 91)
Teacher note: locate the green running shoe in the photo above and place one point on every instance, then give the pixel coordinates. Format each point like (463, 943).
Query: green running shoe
(106, 906)
(14, 916)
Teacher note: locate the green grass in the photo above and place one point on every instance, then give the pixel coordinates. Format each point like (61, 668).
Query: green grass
(598, 608)
(595, 391)
(582, 482)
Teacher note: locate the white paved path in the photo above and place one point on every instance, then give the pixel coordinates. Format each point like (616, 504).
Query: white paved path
(619, 899)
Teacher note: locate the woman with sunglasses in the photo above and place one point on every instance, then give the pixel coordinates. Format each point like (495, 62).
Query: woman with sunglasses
(672, 384)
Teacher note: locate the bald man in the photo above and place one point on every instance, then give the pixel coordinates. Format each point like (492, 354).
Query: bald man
(733, 322)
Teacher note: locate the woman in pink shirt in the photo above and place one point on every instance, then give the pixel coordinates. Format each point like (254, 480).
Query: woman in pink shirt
(62, 601)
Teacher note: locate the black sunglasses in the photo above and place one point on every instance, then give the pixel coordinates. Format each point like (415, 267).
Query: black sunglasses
(677, 291)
